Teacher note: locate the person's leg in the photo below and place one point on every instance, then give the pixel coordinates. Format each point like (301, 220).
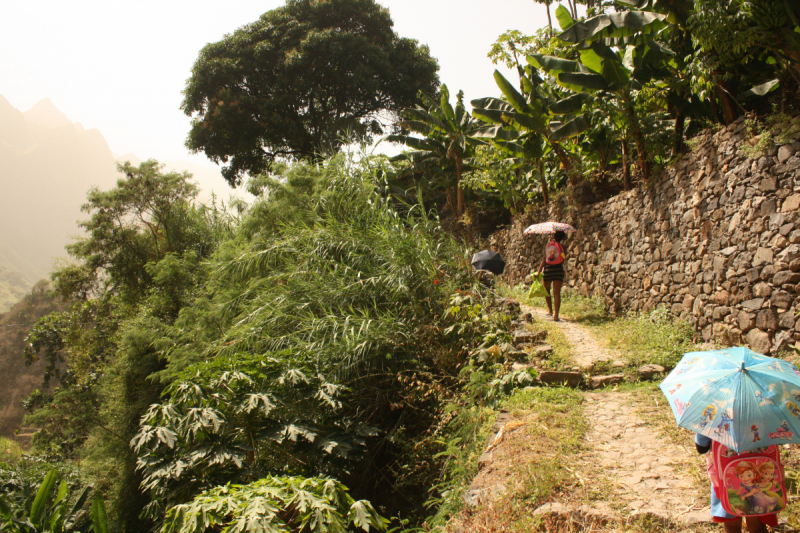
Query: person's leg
(755, 525)
(547, 298)
(734, 526)
(557, 298)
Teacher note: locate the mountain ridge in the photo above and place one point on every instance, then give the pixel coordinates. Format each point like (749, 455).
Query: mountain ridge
(47, 165)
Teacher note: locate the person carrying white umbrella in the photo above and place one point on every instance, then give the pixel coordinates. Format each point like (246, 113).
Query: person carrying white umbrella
(553, 262)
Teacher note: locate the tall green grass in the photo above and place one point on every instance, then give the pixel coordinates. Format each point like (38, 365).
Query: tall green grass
(654, 337)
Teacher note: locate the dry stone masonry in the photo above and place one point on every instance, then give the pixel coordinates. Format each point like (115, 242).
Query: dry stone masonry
(715, 239)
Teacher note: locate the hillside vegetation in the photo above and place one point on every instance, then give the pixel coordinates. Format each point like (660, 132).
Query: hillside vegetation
(325, 359)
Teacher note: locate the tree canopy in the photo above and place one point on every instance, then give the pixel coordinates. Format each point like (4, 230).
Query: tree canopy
(298, 80)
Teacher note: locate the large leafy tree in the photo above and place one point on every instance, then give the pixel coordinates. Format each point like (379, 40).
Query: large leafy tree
(295, 82)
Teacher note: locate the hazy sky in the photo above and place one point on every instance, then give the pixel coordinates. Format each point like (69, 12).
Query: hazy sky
(120, 66)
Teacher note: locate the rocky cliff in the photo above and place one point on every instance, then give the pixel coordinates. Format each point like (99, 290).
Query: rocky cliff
(715, 239)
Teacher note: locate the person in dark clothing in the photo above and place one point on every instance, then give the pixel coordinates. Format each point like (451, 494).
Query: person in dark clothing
(554, 273)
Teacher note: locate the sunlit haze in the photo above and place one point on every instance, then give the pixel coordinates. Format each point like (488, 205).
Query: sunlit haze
(120, 67)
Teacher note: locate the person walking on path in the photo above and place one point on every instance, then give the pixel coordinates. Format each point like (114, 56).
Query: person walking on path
(554, 273)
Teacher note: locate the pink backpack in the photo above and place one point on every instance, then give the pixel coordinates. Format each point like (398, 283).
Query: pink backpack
(749, 483)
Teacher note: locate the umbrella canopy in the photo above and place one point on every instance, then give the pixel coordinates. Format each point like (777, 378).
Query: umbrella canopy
(488, 260)
(737, 397)
(548, 227)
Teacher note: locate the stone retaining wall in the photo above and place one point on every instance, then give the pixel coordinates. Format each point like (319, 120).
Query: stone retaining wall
(716, 240)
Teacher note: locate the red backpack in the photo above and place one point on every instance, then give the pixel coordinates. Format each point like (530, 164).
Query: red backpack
(749, 483)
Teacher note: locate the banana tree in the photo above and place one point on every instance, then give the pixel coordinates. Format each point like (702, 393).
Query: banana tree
(50, 510)
(614, 76)
(661, 20)
(539, 112)
(448, 136)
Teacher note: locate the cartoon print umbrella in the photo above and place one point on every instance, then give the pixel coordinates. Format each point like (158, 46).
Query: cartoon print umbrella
(737, 397)
(489, 260)
(547, 227)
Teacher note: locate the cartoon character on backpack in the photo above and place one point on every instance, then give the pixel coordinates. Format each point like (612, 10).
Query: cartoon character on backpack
(750, 489)
(749, 483)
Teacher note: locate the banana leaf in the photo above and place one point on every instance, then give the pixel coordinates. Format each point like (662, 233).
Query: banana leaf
(570, 104)
(554, 65)
(615, 25)
(571, 128)
(760, 90)
(582, 82)
(565, 20)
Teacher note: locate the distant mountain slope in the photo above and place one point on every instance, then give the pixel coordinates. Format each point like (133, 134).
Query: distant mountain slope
(16, 277)
(47, 164)
(46, 167)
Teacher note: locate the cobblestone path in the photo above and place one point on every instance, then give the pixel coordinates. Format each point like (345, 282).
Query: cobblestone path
(628, 469)
(643, 471)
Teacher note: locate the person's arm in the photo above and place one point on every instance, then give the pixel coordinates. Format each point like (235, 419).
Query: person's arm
(541, 267)
(702, 443)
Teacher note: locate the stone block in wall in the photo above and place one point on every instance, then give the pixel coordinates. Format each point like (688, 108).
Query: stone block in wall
(762, 257)
(721, 297)
(786, 320)
(753, 304)
(790, 253)
(767, 320)
(782, 340)
(792, 203)
(762, 290)
(759, 341)
(781, 299)
(746, 321)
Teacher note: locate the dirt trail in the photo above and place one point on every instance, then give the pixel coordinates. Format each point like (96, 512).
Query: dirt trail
(586, 349)
(636, 470)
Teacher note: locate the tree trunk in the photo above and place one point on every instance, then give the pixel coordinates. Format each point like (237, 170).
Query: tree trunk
(565, 162)
(459, 189)
(680, 120)
(638, 138)
(543, 182)
(626, 166)
(728, 110)
(549, 20)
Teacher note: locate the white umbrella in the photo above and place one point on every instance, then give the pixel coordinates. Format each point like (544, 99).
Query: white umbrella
(548, 227)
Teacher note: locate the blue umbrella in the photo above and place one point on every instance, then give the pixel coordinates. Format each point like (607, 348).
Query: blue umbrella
(737, 397)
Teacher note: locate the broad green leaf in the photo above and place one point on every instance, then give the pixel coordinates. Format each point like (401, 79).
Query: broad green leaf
(492, 103)
(591, 60)
(42, 495)
(492, 116)
(565, 20)
(615, 73)
(444, 103)
(78, 505)
(583, 82)
(513, 96)
(496, 132)
(571, 128)
(5, 508)
(570, 104)
(760, 90)
(554, 65)
(99, 519)
(614, 25)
